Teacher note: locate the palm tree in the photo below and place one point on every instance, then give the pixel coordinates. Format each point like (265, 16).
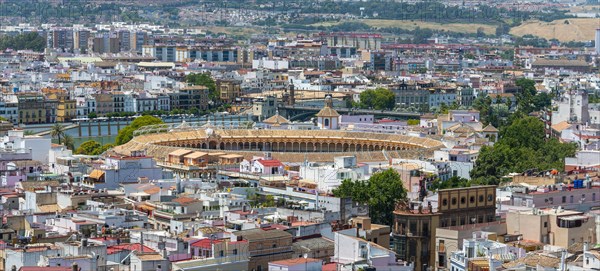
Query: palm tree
(58, 131)
(69, 142)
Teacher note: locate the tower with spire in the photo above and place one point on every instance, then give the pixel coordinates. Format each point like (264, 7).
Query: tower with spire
(327, 118)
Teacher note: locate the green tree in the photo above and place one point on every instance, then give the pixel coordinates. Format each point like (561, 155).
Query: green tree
(90, 147)
(378, 99)
(58, 131)
(413, 122)
(126, 133)
(92, 115)
(204, 79)
(32, 41)
(269, 201)
(69, 142)
(528, 99)
(380, 192)
(453, 182)
(444, 108)
(522, 146)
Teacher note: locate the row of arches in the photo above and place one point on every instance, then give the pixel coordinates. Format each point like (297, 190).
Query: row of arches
(294, 146)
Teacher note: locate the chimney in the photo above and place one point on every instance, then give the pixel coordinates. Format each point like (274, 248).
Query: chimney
(586, 246)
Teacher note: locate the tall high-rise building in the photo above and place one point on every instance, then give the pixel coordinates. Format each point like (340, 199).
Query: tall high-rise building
(61, 39)
(138, 40)
(105, 43)
(81, 40)
(124, 37)
(598, 41)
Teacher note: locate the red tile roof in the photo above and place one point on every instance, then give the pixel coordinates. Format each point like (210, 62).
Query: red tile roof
(270, 163)
(45, 268)
(330, 267)
(184, 200)
(296, 261)
(128, 247)
(205, 243)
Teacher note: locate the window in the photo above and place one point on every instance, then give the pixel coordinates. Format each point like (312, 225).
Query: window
(220, 253)
(490, 197)
(480, 198)
(463, 200)
(326, 122)
(545, 224)
(472, 199)
(564, 199)
(571, 199)
(593, 196)
(453, 201)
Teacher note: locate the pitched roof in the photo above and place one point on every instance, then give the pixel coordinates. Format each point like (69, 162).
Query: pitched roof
(205, 243)
(152, 190)
(559, 127)
(259, 234)
(44, 268)
(195, 155)
(185, 200)
(490, 129)
(276, 120)
(270, 163)
(35, 185)
(96, 174)
(534, 260)
(328, 112)
(179, 152)
(128, 247)
(152, 256)
(296, 261)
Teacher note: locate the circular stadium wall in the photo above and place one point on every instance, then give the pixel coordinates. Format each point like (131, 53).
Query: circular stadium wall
(293, 145)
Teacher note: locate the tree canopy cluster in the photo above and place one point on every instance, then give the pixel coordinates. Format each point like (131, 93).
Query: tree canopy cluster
(380, 193)
(27, 41)
(529, 99)
(522, 146)
(453, 182)
(126, 134)
(378, 99)
(497, 110)
(92, 147)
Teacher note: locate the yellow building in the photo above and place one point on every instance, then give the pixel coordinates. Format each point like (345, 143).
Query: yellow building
(31, 108)
(66, 109)
(229, 90)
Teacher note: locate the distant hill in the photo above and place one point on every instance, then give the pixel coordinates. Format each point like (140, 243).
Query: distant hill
(579, 29)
